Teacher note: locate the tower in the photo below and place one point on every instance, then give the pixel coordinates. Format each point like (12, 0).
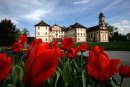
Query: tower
(101, 21)
(42, 31)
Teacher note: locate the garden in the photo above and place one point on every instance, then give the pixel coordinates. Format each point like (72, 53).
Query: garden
(111, 46)
(52, 65)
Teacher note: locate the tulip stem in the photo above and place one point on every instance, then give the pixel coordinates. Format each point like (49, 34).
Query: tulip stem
(95, 84)
(81, 60)
(121, 81)
(64, 59)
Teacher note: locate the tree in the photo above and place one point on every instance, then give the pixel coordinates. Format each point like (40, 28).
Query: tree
(114, 35)
(111, 29)
(128, 36)
(25, 31)
(118, 37)
(8, 32)
(30, 39)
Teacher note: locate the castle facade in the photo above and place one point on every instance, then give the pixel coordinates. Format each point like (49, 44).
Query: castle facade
(78, 32)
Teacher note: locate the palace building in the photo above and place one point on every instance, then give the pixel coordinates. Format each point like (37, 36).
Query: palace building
(76, 31)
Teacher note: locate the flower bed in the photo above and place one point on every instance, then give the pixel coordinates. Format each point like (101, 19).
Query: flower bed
(47, 65)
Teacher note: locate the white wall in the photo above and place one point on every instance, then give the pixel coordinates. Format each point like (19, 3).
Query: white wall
(42, 32)
(81, 34)
(103, 36)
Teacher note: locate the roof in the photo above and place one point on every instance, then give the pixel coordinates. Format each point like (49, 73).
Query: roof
(76, 25)
(42, 23)
(65, 28)
(94, 28)
(56, 25)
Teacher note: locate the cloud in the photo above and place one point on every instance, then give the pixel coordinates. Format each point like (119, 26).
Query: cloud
(112, 5)
(36, 15)
(123, 26)
(81, 2)
(26, 13)
(26, 10)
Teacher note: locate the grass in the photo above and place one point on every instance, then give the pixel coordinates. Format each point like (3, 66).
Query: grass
(114, 46)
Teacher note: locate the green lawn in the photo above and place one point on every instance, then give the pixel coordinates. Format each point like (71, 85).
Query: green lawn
(115, 46)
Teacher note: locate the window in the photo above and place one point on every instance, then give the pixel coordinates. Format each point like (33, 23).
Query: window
(84, 34)
(81, 34)
(45, 33)
(46, 39)
(78, 34)
(91, 35)
(59, 35)
(38, 33)
(46, 28)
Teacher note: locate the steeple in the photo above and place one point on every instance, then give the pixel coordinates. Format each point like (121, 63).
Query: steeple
(101, 20)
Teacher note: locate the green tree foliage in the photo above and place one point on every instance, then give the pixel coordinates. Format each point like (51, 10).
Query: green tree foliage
(8, 32)
(128, 36)
(25, 31)
(114, 35)
(111, 29)
(117, 37)
(29, 40)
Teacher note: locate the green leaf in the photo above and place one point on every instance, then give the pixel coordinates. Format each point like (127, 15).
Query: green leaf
(13, 71)
(66, 72)
(57, 77)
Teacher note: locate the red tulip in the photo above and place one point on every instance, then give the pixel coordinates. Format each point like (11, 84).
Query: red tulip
(71, 53)
(124, 71)
(67, 43)
(77, 49)
(22, 39)
(16, 47)
(40, 65)
(60, 53)
(83, 47)
(5, 66)
(31, 45)
(53, 45)
(99, 67)
(96, 49)
(34, 42)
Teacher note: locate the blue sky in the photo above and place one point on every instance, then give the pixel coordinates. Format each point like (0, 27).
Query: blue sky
(27, 13)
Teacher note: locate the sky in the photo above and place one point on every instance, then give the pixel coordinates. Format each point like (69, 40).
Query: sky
(27, 13)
